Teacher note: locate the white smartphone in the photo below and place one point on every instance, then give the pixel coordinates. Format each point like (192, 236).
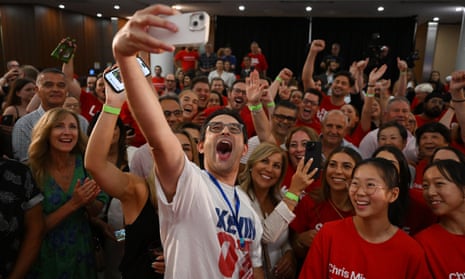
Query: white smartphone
(113, 77)
(193, 29)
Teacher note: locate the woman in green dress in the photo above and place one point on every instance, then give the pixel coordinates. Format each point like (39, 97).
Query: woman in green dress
(70, 197)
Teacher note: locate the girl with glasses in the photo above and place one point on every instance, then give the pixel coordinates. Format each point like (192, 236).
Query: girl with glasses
(367, 245)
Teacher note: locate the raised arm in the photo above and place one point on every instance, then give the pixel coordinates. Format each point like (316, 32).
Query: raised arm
(457, 90)
(309, 65)
(74, 89)
(401, 89)
(375, 75)
(133, 37)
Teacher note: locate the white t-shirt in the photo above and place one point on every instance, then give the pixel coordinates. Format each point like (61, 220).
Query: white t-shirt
(198, 231)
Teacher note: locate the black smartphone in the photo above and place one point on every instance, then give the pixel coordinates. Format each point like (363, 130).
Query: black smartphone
(113, 77)
(313, 150)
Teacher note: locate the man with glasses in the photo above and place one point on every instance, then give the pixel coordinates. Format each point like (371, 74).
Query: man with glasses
(170, 85)
(308, 110)
(51, 89)
(141, 163)
(207, 227)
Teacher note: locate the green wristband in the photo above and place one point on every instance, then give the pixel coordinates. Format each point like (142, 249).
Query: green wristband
(111, 110)
(271, 104)
(292, 196)
(278, 79)
(256, 107)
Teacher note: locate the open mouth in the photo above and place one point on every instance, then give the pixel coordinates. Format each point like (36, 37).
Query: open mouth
(224, 149)
(238, 100)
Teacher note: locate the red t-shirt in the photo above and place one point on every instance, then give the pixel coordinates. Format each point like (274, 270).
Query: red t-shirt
(445, 252)
(127, 119)
(311, 215)
(418, 216)
(422, 121)
(338, 251)
(356, 137)
(159, 84)
(315, 124)
(258, 61)
(90, 105)
(288, 179)
(419, 169)
(326, 106)
(244, 113)
(187, 58)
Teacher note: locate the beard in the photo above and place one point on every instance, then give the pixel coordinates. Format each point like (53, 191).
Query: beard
(433, 112)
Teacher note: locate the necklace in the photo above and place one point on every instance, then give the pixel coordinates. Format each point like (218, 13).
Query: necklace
(335, 209)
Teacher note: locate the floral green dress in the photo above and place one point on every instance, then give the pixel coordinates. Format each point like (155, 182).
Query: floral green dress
(67, 250)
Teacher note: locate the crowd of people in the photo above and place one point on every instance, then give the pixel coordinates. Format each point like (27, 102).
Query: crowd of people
(203, 173)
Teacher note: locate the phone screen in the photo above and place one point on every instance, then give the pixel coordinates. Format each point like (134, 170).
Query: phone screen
(313, 150)
(113, 77)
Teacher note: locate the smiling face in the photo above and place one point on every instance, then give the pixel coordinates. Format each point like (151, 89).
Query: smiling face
(309, 107)
(296, 150)
(223, 150)
(340, 86)
(443, 196)
(351, 114)
(27, 92)
(283, 120)
(100, 89)
(333, 128)
(203, 92)
(429, 142)
(186, 145)
(391, 136)
(237, 98)
(369, 194)
(51, 89)
(64, 134)
(190, 104)
(339, 171)
(266, 172)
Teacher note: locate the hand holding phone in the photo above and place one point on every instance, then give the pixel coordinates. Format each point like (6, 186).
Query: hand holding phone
(193, 29)
(313, 150)
(113, 77)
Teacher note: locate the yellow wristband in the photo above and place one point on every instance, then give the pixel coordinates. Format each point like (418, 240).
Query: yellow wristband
(278, 78)
(111, 110)
(292, 196)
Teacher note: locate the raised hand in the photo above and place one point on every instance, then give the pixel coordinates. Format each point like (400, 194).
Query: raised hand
(254, 88)
(317, 46)
(133, 37)
(302, 177)
(457, 82)
(376, 74)
(401, 65)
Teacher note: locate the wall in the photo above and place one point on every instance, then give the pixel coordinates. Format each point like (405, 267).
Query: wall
(29, 34)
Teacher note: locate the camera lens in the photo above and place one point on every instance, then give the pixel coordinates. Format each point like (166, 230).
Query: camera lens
(201, 17)
(195, 23)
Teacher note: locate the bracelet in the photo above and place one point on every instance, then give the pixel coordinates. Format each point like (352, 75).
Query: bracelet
(292, 196)
(278, 78)
(370, 95)
(458, 101)
(255, 108)
(271, 104)
(111, 110)
(371, 85)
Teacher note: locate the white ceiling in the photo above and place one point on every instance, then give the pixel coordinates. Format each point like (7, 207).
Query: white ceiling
(424, 9)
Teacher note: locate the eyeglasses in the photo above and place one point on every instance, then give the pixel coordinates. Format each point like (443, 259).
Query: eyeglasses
(308, 102)
(282, 117)
(176, 113)
(369, 188)
(238, 91)
(218, 127)
(169, 80)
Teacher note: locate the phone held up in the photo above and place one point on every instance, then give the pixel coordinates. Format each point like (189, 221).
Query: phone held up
(113, 77)
(313, 150)
(193, 29)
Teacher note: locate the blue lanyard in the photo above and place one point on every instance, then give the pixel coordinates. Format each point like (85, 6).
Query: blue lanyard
(237, 203)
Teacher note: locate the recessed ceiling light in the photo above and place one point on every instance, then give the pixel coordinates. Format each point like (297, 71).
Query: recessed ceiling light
(176, 7)
(380, 8)
(61, 6)
(116, 7)
(241, 8)
(99, 14)
(459, 9)
(113, 18)
(308, 9)
(435, 18)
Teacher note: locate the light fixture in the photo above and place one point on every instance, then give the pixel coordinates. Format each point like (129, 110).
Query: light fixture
(61, 6)
(176, 7)
(308, 9)
(241, 8)
(459, 9)
(113, 18)
(99, 14)
(116, 7)
(380, 8)
(436, 18)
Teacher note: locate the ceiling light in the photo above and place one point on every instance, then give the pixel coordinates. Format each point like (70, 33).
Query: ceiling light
(116, 7)
(308, 9)
(380, 8)
(459, 9)
(99, 14)
(61, 6)
(113, 18)
(241, 8)
(435, 18)
(176, 7)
